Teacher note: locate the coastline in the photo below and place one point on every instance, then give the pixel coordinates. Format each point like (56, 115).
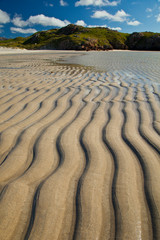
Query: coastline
(6, 50)
(79, 151)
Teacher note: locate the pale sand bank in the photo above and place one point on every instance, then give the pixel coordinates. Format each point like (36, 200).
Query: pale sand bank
(79, 153)
(5, 50)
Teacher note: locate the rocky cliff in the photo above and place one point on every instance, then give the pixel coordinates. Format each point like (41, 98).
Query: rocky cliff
(144, 41)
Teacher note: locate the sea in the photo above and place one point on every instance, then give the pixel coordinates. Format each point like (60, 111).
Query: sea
(129, 66)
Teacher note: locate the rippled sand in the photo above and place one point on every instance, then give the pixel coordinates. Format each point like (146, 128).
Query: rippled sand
(79, 153)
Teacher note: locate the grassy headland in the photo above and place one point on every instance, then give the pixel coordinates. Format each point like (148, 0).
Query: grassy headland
(73, 37)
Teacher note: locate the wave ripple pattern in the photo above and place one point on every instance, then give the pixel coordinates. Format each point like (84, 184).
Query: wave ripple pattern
(79, 153)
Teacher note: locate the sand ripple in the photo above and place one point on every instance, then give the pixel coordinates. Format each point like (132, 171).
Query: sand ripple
(79, 153)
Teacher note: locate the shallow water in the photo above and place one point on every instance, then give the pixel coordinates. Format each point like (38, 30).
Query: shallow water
(140, 67)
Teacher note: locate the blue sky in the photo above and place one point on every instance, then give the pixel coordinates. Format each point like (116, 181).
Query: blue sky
(24, 17)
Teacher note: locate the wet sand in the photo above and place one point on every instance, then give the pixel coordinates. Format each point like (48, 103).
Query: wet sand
(79, 153)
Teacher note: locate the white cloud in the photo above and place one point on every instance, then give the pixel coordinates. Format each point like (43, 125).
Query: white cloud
(158, 18)
(120, 16)
(133, 23)
(17, 21)
(1, 26)
(21, 30)
(105, 26)
(47, 21)
(96, 3)
(4, 17)
(39, 19)
(93, 26)
(81, 23)
(115, 28)
(63, 3)
(149, 10)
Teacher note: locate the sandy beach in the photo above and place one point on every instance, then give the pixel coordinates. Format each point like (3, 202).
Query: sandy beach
(79, 152)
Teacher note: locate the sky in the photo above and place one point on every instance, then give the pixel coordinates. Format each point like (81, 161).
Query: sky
(25, 17)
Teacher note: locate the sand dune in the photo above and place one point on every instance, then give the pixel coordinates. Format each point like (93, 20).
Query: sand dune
(79, 153)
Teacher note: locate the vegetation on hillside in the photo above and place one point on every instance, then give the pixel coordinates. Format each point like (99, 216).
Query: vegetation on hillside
(15, 43)
(73, 37)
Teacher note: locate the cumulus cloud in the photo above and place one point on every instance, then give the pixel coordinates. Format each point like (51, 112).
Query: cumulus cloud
(97, 3)
(81, 23)
(39, 19)
(17, 21)
(133, 23)
(105, 26)
(47, 21)
(93, 26)
(120, 16)
(158, 18)
(115, 28)
(21, 30)
(63, 3)
(4, 17)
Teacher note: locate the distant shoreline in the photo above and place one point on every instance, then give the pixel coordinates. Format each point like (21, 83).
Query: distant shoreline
(5, 50)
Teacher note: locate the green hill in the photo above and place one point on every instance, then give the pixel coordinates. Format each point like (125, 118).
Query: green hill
(73, 37)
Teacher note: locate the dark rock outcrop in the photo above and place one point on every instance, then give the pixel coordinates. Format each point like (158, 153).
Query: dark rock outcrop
(116, 44)
(70, 29)
(144, 41)
(33, 39)
(133, 39)
(87, 44)
(93, 44)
